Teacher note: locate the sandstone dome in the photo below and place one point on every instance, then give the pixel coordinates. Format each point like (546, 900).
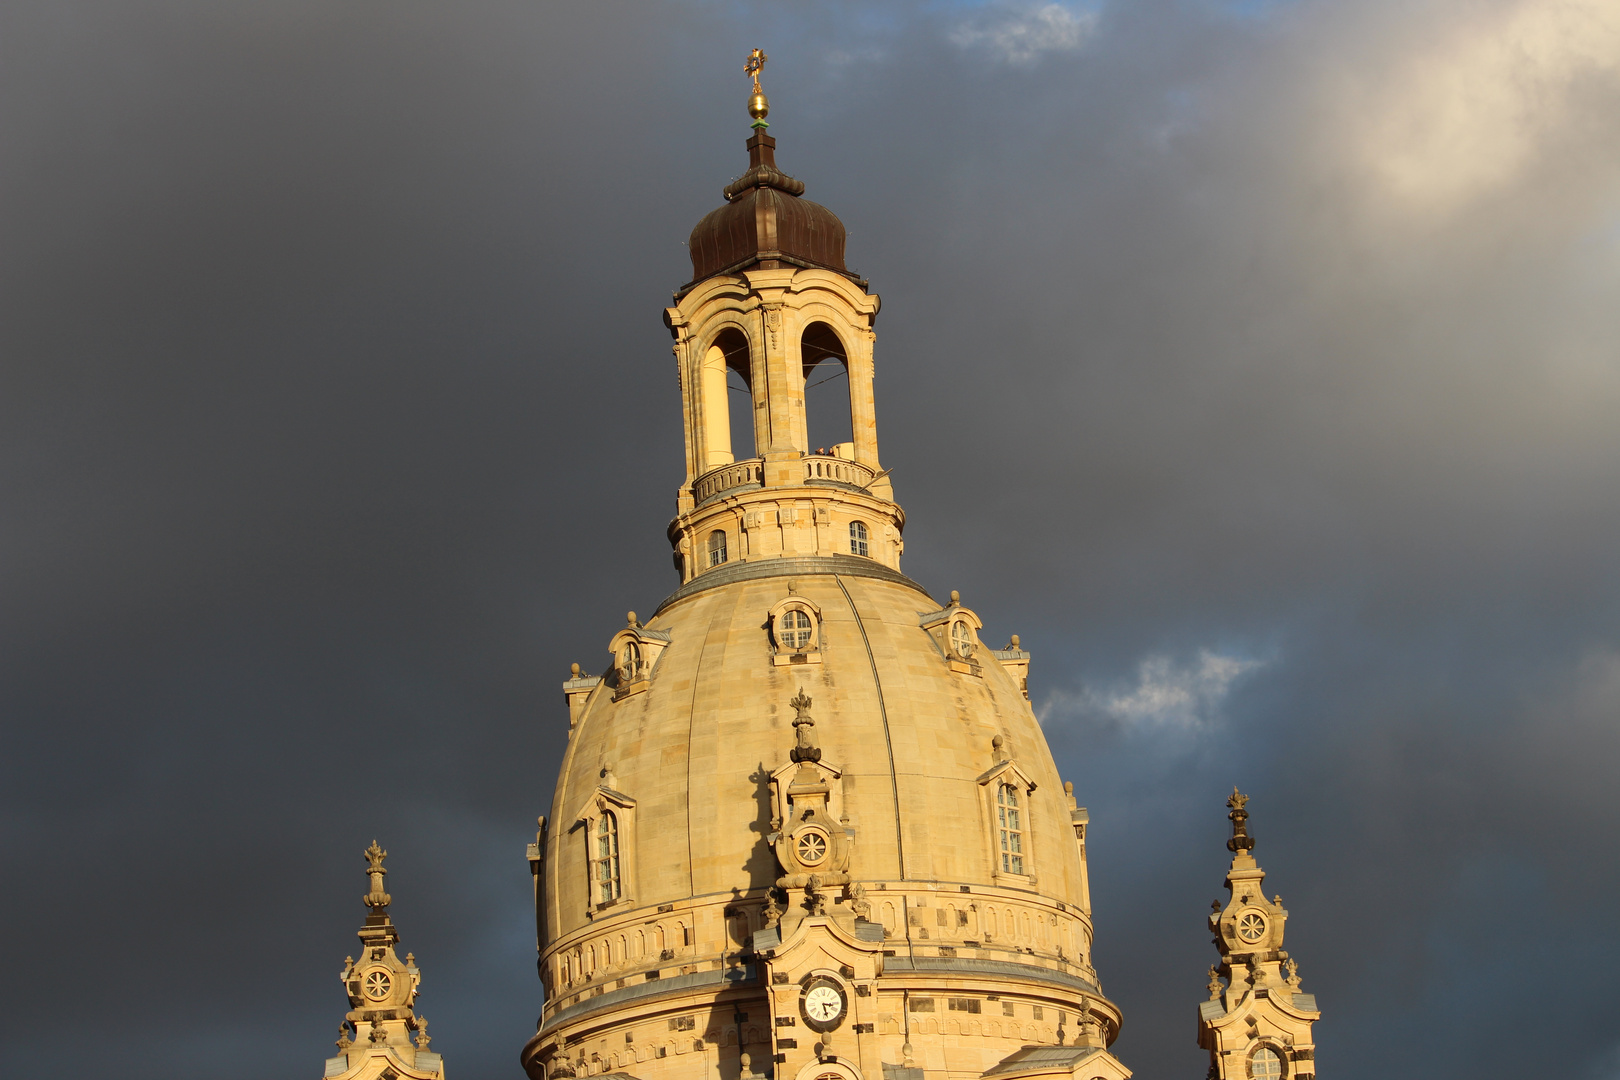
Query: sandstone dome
(806, 825)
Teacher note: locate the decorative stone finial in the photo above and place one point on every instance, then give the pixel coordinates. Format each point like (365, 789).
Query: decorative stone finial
(630, 620)
(378, 1033)
(759, 107)
(422, 1039)
(815, 900)
(956, 597)
(1013, 644)
(343, 1040)
(771, 913)
(573, 671)
(1215, 986)
(804, 749)
(376, 899)
(1241, 840)
(855, 893)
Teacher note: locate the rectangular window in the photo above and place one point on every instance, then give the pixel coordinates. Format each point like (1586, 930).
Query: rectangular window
(1012, 831)
(968, 1005)
(606, 861)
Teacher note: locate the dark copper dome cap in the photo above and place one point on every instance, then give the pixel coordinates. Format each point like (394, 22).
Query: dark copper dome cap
(766, 223)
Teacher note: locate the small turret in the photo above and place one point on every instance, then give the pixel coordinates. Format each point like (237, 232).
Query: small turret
(1255, 1024)
(376, 1036)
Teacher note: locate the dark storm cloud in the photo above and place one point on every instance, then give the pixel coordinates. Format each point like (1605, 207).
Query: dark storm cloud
(1255, 363)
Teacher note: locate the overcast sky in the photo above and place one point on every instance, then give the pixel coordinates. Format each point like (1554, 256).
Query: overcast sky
(1257, 362)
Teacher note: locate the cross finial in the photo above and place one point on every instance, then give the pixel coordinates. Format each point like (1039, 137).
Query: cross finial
(756, 64)
(759, 107)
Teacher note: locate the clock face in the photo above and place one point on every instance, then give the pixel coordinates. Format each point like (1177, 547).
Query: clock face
(823, 1005)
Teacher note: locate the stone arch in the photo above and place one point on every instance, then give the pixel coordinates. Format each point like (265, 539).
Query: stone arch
(728, 353)
(826, 388)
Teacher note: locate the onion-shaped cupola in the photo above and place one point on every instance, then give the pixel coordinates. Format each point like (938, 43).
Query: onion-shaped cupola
(766, 222)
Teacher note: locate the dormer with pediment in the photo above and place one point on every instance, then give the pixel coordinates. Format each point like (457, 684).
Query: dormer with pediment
(606, 825)
(1004, 793)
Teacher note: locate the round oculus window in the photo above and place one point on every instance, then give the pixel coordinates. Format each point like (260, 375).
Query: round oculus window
(811, 846)
(378, 984)
(1251, 926)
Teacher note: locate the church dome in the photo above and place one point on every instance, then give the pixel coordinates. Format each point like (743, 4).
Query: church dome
(806, 825)
(766, 222)
(945, 833)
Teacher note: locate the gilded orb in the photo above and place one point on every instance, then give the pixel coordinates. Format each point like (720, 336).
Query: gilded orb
(759, 107)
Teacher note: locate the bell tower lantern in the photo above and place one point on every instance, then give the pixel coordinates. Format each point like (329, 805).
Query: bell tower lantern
(772, 302)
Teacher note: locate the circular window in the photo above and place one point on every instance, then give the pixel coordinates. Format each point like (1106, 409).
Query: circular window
(1251, 926)
(378, 984)
(811, 846)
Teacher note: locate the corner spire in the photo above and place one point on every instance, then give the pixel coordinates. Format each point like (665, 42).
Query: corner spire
(1258, 1022)
(376, 1037)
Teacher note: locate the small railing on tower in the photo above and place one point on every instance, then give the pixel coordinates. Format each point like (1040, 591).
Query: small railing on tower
(718, 481)
(820, 469)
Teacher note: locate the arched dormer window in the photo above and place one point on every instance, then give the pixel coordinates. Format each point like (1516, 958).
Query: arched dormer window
(955, 630)
(606, 824)
(717, 547)
(635, 651)
(1010, 829)
(1006, 794)
(858, 544)
(605, 876)
(795, 631)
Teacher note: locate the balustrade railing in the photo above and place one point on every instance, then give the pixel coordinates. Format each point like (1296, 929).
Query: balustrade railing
(841, 470)
(739, 474)
(750, 474)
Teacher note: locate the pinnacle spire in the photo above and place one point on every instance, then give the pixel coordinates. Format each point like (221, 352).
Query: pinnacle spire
(375, 1039)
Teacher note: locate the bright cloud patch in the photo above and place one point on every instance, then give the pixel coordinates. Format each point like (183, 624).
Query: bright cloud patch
(1165, 694)
(1020, 34)
(1469, 112)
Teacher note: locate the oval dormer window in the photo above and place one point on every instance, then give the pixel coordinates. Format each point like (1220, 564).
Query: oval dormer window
(962, 639)
(795, 631)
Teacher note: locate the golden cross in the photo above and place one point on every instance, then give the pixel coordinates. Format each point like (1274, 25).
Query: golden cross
(756, 62)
